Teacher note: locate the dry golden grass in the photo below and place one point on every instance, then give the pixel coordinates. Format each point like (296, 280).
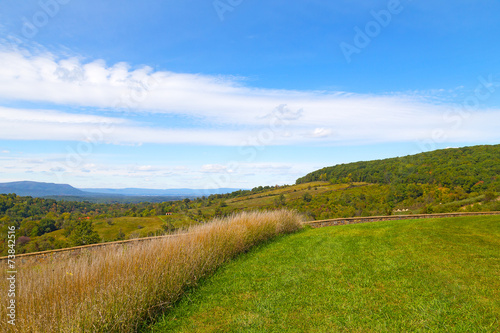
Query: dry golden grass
(114, 289)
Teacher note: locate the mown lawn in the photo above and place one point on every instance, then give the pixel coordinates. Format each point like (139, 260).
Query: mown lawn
(436, 275)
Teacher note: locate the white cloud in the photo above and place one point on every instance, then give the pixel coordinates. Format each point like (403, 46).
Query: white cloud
(215, 168)
(258, 116)
(49, 125)
(144, 168)
(227, 175)
(49, 116)
(321, 133)
(236, 169)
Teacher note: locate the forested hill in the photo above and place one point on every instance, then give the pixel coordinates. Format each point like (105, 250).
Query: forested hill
(472, 168)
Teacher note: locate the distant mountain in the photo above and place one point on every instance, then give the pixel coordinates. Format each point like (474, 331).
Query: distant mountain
(155, 192)
(37, 189)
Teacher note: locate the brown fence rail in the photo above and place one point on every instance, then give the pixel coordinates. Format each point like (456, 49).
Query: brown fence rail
(354, 220)
(314, 224)
(78, 249)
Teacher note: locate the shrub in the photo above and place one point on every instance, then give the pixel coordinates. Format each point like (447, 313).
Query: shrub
(120, 236)
(84, 234)
(22, 240)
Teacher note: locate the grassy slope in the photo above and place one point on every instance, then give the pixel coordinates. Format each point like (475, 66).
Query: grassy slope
(265, 199)
(133, 227)
(424, 275)
(130, 226)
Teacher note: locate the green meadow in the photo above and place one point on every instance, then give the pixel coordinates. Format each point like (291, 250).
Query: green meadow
(435, 275)
(137, 227)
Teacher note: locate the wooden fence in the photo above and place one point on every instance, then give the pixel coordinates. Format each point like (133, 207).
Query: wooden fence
(354, 220)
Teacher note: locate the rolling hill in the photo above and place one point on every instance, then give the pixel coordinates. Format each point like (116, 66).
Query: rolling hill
(472, 168)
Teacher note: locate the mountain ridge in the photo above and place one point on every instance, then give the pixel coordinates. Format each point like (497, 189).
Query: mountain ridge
(39, 189)
(44, 189)
(159, 192)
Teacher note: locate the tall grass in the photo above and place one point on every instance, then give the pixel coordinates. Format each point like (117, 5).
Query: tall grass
(114, 289)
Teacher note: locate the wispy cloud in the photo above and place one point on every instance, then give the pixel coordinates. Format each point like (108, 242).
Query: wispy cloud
(106, 173)
(228, 111)
(215, 168)
(50, 116)
(321, 133)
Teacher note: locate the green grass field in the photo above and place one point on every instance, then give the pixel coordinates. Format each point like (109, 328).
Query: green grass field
(436, 275)
(137, 227)
(133, 227)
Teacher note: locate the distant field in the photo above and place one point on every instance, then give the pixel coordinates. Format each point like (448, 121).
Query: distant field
(436, 275)
(266, 199)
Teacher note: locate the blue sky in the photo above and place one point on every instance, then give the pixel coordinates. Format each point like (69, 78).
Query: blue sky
(238, 93)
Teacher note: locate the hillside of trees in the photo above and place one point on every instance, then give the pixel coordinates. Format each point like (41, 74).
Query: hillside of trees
(473, 169)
